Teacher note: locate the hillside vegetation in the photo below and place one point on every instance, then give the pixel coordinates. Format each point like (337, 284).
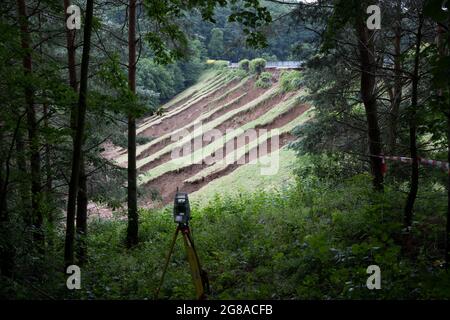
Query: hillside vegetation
(304, 239)
(309, 232)
(223, 99)
(312, 137)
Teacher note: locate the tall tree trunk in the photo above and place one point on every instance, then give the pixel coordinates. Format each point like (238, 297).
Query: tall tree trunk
(81, 216)
(3, 184)
(133, 219)
(413, 131)
(444, 47)
(82, 202)
(3, 191)
(35, 159)
(24, 186)
(48, 162)
(443, 51)
(6, 252)
(368, 86)
(79, 134)
(447, 227)
(51, 231)
(70, 43)
(396, 98)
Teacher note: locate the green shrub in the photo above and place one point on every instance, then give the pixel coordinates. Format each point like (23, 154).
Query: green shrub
(264, 80)
(257, 66)
(217, 64)
(269, 57)
(244, 65)
(291, 80)
(237, 73)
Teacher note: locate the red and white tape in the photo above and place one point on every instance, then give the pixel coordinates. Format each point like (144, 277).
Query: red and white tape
(434, 163)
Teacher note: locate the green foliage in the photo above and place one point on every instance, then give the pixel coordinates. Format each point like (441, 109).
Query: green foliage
(327, 168)
(157, 78)
(309, 241)
(344, 13)
(291, 80)
(257, 66)
(164, 15)
(435, 117)
(246, 19)
(218, 64)
(302, 51)
(264, 80)
(215, 45)
(269, 57)
(236, 74)
(191, 68)
(159, 83)
(244, 65)
(118, 98)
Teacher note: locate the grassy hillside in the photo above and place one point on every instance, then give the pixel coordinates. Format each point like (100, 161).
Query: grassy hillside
(223, 99)
(248, 179)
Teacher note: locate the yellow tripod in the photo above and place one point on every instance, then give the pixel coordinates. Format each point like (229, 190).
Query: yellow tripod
(199, 276)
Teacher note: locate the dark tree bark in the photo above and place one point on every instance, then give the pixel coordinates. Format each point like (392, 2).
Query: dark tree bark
(447, 227)
(396, 92)
(7, 251)
(4, 177)
(413, 131)
(24, 186)
(70, 42)
(81, 216)
(81, 228)
(133, 219)
(48, 163)
(3, 191)
(32, 126)
(443, 48)
(368, 86)
(79, 135)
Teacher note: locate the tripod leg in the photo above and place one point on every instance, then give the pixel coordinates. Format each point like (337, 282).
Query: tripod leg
(194, 263)
(172, 245)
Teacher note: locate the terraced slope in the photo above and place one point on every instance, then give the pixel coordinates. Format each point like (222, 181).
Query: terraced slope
(213, 128)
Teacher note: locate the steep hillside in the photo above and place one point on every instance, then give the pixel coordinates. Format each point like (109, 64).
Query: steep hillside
(222, 123)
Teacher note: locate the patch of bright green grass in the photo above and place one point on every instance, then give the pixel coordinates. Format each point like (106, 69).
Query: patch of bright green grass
(248, 178)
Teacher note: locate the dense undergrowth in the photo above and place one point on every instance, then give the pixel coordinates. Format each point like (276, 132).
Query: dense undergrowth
(313, 239)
